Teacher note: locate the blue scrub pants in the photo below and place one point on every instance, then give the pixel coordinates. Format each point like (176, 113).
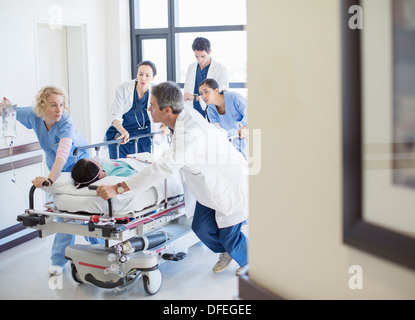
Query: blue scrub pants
(62, 240)
(229, 239)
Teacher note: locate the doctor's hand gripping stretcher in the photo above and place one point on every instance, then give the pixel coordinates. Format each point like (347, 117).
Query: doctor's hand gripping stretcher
(140, 230)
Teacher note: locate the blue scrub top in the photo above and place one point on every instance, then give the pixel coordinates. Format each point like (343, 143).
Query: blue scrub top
(132, 120)
(233, 119)
(135, 118)
(49, 140)
(200, 76)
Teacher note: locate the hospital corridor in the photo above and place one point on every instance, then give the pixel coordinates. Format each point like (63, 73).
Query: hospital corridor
(221, 152)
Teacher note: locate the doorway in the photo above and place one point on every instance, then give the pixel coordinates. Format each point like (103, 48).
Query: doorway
(61, 60)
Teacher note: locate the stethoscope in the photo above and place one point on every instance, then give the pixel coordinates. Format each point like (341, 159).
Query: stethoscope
(138, 110)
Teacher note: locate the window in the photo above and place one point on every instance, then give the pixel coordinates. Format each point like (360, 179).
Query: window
(163, 31)
(228, 47)
(155, 50)
(144, 20)
(192, 13)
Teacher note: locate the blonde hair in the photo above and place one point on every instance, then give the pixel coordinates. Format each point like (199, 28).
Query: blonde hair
(43, 95)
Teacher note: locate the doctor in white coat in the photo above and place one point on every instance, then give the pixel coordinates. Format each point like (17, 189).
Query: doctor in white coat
(213, 170)
(204, 67)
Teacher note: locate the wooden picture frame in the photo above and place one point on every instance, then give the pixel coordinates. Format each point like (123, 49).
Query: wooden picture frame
(358, 232)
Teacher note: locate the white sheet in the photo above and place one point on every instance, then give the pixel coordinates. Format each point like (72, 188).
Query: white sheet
(67, 198)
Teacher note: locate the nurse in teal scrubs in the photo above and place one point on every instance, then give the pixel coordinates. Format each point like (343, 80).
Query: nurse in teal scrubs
(58, 138)
(226, 110)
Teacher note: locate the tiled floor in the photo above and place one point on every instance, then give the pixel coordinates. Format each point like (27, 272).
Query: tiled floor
(23, 275)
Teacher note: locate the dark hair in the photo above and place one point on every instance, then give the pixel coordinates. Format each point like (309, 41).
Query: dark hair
(84, 172)
(201, 44)
(168, 94)
(211, 83)
(150, 64)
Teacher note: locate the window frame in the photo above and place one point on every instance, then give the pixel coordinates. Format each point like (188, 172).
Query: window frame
(169, 33)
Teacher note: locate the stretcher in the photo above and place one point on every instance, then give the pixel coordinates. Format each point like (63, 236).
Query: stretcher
(140, 230)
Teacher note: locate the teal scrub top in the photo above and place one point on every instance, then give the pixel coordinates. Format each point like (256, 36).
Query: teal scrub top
(117, 168)
(49, 140)
(234, 118)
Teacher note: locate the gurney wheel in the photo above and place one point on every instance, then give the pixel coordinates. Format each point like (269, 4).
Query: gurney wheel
(131, 278)
(75, 274)
(152, 281)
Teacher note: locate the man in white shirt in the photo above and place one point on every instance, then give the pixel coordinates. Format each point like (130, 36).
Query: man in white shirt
(205, 67)
(213, 170)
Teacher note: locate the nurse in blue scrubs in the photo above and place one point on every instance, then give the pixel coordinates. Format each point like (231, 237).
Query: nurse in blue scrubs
(226, 110)
(129, 116)
(58, 138)
(55, 131)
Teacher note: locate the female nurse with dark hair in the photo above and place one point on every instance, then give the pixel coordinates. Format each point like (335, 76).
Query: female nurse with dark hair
(129, 116)
(226, 110)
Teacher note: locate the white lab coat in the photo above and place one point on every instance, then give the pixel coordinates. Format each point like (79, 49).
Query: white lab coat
(124, 97)
(213, 170)
(216, 71)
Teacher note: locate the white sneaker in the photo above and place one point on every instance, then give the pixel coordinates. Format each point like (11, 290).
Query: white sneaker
(55, 270)
(223, 263)
(242, 270)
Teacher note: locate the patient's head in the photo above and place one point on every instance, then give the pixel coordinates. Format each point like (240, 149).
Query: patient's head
(85, 172)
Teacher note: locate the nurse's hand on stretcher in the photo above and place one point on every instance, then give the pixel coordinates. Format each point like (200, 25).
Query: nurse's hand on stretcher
(39, 182)
(125, 136)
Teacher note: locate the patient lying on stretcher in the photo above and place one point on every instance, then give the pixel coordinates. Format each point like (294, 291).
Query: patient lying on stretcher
(70, 195)
(87, 171)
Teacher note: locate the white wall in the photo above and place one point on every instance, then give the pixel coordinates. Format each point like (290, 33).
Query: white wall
(107, 25)
(294, 81)
(118, 45)
(108, 63)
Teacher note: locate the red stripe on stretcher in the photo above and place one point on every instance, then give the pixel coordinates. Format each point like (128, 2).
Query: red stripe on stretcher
(157, 251)
(92, 265)
(154, 216)
(152, 253)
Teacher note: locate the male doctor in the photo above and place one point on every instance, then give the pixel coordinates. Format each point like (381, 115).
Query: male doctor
(205, 67)
(213, 170)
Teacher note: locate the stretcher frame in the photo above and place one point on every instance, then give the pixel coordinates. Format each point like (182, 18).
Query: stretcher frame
(101, 226)
(169, 213)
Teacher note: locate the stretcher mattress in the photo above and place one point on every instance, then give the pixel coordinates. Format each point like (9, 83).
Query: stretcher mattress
(67, 198)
